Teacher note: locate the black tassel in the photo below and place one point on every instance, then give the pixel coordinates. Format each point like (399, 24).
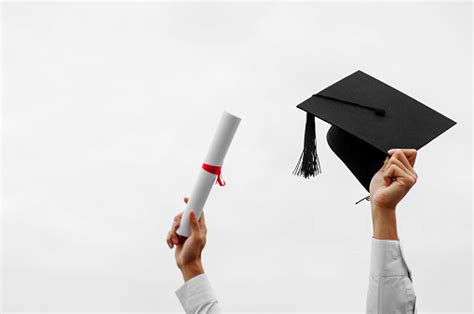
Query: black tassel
(308, 164)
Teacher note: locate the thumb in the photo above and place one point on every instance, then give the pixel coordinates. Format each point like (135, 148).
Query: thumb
(195, 228)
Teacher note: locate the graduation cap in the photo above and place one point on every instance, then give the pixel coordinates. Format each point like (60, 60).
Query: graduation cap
(368, 118)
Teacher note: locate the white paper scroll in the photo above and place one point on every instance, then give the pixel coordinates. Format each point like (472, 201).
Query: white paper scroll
(215, 157)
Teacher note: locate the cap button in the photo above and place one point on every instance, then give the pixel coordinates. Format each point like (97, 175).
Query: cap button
(380, 112)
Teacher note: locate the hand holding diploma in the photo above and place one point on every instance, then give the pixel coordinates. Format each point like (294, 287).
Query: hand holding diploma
(188, 232)
(211, 169)
(188, 251)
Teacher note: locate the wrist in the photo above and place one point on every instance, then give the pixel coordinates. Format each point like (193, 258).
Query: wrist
(384, 223)
(191, 270)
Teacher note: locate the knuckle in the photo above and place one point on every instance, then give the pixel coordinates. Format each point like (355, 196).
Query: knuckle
(397, 152)
(409, 181)
(200, 239)
(390, 164)
(397, 161)
(394, 160)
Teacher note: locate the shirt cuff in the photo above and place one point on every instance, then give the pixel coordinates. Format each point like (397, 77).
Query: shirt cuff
(387, 259)
(195, 292)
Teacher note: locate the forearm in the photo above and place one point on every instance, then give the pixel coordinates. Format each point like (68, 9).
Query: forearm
(384, 221)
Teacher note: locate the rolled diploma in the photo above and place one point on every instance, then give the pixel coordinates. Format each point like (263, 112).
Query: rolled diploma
(215, 157)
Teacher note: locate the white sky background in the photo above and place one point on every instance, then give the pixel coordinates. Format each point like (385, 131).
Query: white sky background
(108, 110)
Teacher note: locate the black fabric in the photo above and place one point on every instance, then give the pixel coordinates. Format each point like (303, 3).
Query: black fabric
(370, 117)
(362, 159)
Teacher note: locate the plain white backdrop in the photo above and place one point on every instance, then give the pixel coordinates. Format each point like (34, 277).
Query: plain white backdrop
(108, 110)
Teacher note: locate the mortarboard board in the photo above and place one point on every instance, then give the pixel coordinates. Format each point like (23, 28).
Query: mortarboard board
(368, 118)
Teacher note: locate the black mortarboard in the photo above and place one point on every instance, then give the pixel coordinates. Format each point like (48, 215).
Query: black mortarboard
(368, 118)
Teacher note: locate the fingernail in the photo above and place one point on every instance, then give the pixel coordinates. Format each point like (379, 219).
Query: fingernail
(170, 245)
(390, 152)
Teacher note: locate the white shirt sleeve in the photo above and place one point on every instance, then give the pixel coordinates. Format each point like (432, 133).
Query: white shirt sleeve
(390, 281)
(196, 296)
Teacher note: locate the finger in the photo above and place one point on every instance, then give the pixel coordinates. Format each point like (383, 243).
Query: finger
(202, 222)
(409, 153)
(412, 157)
(170, 235)
(195, 228)
(395, 174)
(409, 172)
(384, 166)
(186, 199)
(176, 223)
(401, 154)
(398, 154)
(169, 241)
(173, 236)
(390, 174)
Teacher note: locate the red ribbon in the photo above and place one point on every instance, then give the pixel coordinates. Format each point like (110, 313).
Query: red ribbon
(214, 170)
